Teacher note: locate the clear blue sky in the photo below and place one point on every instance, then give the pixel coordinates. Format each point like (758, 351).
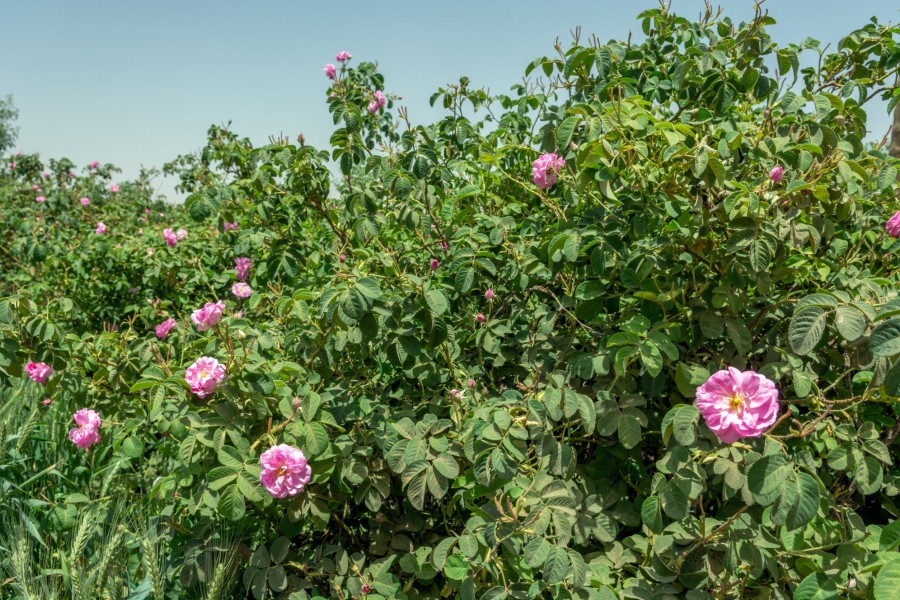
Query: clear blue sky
(139, 83)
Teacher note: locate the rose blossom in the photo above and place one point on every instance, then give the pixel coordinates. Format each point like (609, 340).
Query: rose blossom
(378, 102)
(893, 225)
(101, 228)
(114, 188)
(738, 404)
(94, 164)
(171, 238)
(343, 56)
(285, 471)
(241, 290)
(39, 199)
(471, 383)
(40, 372)
(479, 318)
(242, 266)
(330, 71)
(489, 294)
(777, 174)
(181, 234)
(204, 376)
(85, 201)
(545, 170)
(435, 264)
(45, 174)
(230, 226)
(208, 316)
(47, 401)
(85, 435)
(163, 329)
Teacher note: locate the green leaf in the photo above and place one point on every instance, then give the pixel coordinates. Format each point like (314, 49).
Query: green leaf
(887, 582)
(369, 288)
(231, 503)
(701, 159)
(806, 329)
(629, 430)
(887, 177)
(766, 478)
(850, 322)
(536, 552)
(885, 338)
(565, 130)
(651, 514)
(133, 447)
(557, 565)
(436, 301)
(465, 277)
(817, 586)
(807, 503)
(868, 476)
(456, 567)
(890, 537)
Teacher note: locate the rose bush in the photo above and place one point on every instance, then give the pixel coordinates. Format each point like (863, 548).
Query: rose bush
(473, 361)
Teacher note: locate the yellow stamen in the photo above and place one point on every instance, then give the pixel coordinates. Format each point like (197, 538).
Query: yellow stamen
(735, 402)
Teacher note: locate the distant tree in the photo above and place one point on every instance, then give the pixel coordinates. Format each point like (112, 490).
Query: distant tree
(895, 133)
(8, 131)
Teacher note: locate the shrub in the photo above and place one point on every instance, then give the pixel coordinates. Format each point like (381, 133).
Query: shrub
(644, 216)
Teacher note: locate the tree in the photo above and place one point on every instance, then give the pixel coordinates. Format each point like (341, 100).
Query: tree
(8, 132)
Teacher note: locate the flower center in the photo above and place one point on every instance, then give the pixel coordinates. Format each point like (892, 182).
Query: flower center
(735, 401)
(282, 470)
(203, 375)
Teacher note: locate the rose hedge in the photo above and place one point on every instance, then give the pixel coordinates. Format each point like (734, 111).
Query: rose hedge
(717, 208)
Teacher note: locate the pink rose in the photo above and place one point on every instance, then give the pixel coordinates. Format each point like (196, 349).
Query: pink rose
(242, 266)
(114, 188)
(342, 258)
(47, 401)
(230, 226)
(738, 404)
(171, 238)
(12, 165)
(181, 234)
(330, 71)
(378, 102)
(343, 56)
(241, 290)
(208, 316)
(545, 170)
(86, 434)
(45, 174)
(94, 164)
(163, 329)
(85, 201)
(471, 383)
(777, 174)
(204, 376)
(285, 471)
(893, 225)
(101, 228)
(39, 199)
(479, 318)
(489, 294)
(39, 372)
(435, 264)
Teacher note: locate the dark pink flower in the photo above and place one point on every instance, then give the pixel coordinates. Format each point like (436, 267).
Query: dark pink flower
(285, 471)
(163, 329)
(545, 170)
(39, 371)
(893, 225)
(738, 404)
(330, 71)
(777, 174)
(86, 434)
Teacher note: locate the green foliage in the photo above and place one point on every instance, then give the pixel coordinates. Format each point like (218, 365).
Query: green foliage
(549, 449)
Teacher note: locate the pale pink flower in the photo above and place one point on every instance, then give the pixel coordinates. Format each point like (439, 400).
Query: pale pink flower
(285, 471)
(893, 225)
(204, 376)
(85, 201)
(343, 56)
(12, 165)
(86, 434)
(45, 174)
(101, 228)
(147, 211)
(181, 234)
(208, 316)
(230, 226)
(241, 290)
(40, 372)
(94, 164)
(35, 187)
(163, 329)
(479, 318)
(456, 394)
(149, 251)
(489, 294)
(47, 401)
(738, 404)
(777, 174)
(39, 199)
(471, 383)
(171, 239)
(114, 188)
(330, 71)
(545, 170)
(242, 266)
(435, 264)
(378, 102)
